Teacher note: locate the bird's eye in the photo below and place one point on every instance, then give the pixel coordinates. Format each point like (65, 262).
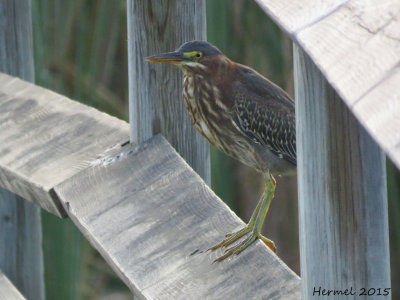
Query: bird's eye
(198, 55)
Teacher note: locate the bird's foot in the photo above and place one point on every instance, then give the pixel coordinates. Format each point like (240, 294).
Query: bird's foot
(254, 226)
(232, 237)
(243, 245)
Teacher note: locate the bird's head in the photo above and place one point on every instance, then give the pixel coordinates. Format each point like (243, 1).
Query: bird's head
(193, 57)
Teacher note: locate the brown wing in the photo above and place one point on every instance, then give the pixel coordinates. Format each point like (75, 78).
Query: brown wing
(264, 113)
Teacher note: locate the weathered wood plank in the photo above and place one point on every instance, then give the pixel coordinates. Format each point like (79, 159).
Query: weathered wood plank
(155, 90)
(7, 290)
(355, 45)
(293, 16)
(384, 118)
(46, 138)
(21, 255)
(16, 42)
(151, 216)
(344, 236)
(367, 51)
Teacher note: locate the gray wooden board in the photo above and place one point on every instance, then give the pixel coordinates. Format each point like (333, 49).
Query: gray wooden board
(343, 213)
(151, 216)
(21, 255)
(355, 44)
(7, 290)
(46, 138)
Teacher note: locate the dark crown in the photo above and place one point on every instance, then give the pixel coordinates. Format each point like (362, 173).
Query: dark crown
(206, 48)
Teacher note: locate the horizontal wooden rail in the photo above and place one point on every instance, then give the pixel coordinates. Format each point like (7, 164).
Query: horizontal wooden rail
(141, 206)
(7, 290)
(45, 138)
(355, 44)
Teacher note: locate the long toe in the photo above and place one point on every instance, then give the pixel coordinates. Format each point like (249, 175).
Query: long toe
(231, 238)
(244, 244)
(237, 248)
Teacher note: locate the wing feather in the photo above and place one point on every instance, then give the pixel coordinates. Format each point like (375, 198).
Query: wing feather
(265, 113)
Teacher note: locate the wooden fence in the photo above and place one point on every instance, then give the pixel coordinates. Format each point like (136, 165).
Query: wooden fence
(151, 216)
(8, 290)
(141, 206)
(21, 256)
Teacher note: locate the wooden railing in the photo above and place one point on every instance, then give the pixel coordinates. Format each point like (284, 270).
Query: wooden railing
(140, 205)
(346, 63)
(152, 216)
(21, 258)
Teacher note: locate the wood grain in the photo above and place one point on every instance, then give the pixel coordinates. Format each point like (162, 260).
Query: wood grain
(383, 119)
(293, 16)
(7, 290)
(21, 257)
(155, 90)
(16, 43)
(151, 216)
(46, 138)
(355, 45)
(147, 212)
(343, 216)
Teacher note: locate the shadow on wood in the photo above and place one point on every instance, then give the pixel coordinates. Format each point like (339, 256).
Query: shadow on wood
(45, 138)
(146, 211)
(152, 218)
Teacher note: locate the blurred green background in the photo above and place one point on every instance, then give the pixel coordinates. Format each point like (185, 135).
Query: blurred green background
(80, 49)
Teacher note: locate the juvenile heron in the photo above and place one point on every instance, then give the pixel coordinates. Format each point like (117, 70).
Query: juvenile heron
(242, 114)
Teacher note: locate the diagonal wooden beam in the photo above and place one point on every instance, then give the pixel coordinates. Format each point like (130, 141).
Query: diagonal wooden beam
(153, 218)
(141, 206)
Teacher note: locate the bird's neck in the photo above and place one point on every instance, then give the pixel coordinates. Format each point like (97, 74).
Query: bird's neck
(223, 77)
(218, 74)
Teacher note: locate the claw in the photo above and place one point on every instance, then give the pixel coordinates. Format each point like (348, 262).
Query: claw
(270, 244)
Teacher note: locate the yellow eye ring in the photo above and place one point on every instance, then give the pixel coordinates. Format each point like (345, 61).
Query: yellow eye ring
(194, 54)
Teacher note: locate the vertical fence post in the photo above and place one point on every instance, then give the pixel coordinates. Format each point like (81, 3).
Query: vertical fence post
(343, 218)
(155, 90)
(21, 257)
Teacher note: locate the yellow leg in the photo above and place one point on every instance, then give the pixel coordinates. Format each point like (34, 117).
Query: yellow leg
(254, 226)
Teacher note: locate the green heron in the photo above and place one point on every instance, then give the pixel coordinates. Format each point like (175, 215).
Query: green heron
(242, 114)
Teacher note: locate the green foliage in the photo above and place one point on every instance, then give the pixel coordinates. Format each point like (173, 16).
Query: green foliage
(63, 247)
(79, 51)
(218, 27)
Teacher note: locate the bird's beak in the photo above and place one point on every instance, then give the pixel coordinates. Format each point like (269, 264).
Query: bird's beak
(170, 57)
